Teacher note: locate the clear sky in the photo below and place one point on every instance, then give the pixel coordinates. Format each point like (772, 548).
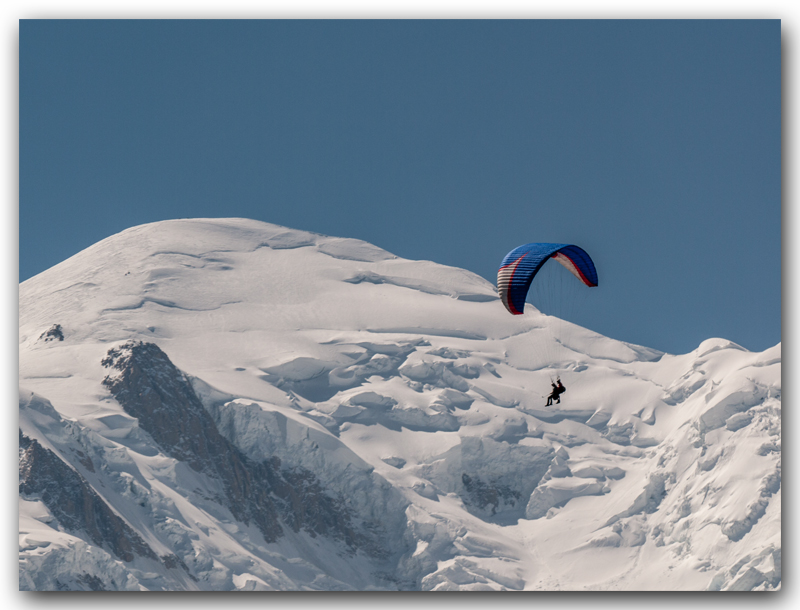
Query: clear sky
(654, 145)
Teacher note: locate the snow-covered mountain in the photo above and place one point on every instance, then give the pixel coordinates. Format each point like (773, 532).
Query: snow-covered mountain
(229, 404)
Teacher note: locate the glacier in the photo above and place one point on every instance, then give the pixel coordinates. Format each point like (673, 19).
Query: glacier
(227, 404)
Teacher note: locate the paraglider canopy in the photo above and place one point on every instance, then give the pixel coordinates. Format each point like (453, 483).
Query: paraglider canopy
(521, 265)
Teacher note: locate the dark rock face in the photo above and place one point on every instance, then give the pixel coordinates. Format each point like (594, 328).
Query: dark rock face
(76, 506)
(150, 388)
(54, 333)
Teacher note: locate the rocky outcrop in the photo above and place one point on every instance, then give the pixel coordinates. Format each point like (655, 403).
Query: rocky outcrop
(149, 387)
(54, 333)
(73, 502)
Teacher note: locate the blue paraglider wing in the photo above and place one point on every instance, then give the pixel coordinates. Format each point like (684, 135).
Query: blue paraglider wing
(521, 265)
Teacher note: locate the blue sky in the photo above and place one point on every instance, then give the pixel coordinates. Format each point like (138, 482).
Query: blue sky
(654, 145)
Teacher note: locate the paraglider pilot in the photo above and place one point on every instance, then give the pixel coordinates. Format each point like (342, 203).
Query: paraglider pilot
(558, 390)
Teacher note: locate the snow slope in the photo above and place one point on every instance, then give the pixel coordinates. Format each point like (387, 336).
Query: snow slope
(396, 411)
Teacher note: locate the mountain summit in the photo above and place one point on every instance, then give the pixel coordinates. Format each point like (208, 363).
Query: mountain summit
(233, 405)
